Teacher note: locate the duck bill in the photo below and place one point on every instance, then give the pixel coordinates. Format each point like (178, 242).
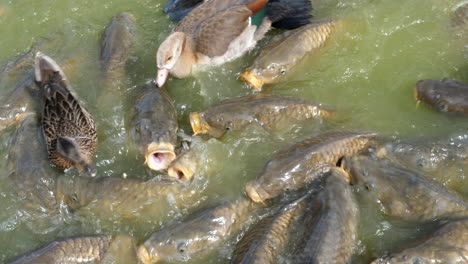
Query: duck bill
(145, 256)
(161, 77)
(159, 155)
(250, 78)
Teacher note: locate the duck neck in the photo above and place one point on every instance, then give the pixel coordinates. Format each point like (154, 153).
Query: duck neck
(183, 67)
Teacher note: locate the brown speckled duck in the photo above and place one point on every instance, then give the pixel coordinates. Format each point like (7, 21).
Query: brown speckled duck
(68, 128)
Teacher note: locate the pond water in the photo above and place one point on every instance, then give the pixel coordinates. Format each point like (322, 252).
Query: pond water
(367, 69)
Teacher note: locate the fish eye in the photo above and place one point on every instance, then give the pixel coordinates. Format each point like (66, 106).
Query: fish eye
(182, 247)
(443, 107)
(228, 125)
(422, 163)
(282, 70)
(74, 197)
(369, 186)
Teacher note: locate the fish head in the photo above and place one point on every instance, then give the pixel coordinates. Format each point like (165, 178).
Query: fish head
(275, 179)
(258, 75)
(200, 125)
(362, 174)
(74, 192)
(168, 55)
(424, 157)
(442, 95)
(178, 244)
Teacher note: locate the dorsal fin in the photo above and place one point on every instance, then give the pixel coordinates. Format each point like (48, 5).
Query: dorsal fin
(256, 5)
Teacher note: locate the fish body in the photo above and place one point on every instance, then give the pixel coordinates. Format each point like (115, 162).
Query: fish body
(33, 178)
(334, 224)
(443, 95)
(284, 52)
(111, 194)
(89, 250)
(296, 165)
(267, 240)
(271, 112)
(460, 19)
(197, 236)
(447, 245)
(402, 193)
(117, 43)
(153, 126)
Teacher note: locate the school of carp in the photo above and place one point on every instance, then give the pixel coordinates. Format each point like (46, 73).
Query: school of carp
(325, 176)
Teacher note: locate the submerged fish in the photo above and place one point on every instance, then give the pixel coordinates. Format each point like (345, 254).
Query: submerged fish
(153, 126)
(402, 193)
(112, 195)
(425, 154)
(266, 241)
(184, 167)
(178, 9)
(272, 112)
(278, 58)
(33, 178)
(460, 19)
(117, 43)
(448, 245)
(296, 165)
(443, 95)
(89, 249)
(197, 236)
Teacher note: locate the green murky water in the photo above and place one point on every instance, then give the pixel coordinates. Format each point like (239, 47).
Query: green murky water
(367, 69)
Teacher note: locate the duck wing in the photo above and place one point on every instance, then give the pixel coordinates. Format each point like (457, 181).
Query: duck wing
(213, 36)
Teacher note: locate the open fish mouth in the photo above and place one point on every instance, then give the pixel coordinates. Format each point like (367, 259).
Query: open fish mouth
(145, 256)
(255, 192)
(250, 78)
(181, 173)
(159, 156)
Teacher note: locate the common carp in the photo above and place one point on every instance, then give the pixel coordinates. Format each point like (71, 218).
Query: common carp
(460, 19)
(279, 56)
(448, 245)
(88, 249)
(293, 166)
(112, 195)
(333, 224)
(271, 112)
(429, 155)
(198, 235)
(443, 95)
(33, 178)
(184, 167)
(402, 193)
(153, 126)
(117, 44)
(268, 239)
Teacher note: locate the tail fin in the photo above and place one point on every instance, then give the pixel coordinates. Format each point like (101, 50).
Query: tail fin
(289, 14)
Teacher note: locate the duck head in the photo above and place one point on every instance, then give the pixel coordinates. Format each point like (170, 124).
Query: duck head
(69, 149)
(173, 57)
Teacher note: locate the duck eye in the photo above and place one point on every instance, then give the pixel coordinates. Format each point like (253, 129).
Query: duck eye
(169, 58)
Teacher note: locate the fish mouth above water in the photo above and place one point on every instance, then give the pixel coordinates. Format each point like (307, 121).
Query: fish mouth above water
(181, 173)
(145, 256)
(159, 155)
(256, 193)
(252, 79)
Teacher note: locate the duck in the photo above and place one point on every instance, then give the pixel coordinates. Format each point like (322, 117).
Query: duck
(68, 128)
(219, 31)
(178, 9)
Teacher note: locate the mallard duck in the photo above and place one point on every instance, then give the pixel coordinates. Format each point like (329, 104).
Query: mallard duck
(68, 128)
(215, 32)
